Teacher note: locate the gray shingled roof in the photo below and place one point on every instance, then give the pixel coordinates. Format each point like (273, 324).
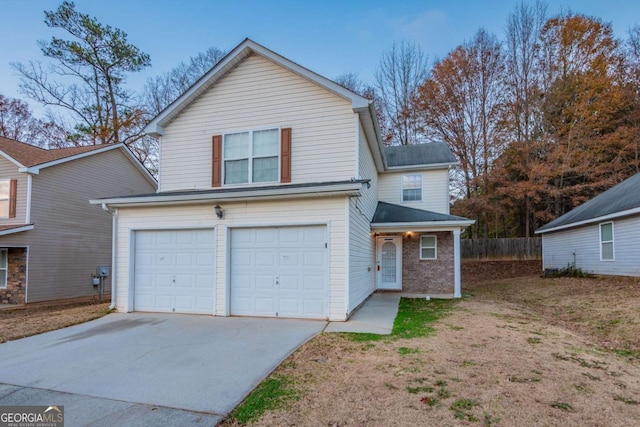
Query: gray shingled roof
(390, 213)
(419, 154)
(622, 197)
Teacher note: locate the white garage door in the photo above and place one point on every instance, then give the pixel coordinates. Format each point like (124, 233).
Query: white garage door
(280, 272)
(174, 271)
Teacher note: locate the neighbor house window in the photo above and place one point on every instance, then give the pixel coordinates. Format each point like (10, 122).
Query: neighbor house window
(3, 268)
(5, 194)
(606, 241)
(251, 156)
(428, 247)
(411, 188)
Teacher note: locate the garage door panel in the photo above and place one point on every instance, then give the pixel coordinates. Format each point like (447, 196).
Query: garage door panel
(174, 271)
(274, 270)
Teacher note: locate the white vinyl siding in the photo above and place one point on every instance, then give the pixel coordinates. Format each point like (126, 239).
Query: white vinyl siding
(361, 242)
(428, 247)
(558, 248)
(328, 211)
(259, 94)
(435, 190)
(9, 171)
(606, 242)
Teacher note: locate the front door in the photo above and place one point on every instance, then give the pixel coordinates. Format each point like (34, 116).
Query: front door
(389, 262)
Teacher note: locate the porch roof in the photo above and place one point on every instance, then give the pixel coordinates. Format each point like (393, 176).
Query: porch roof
(14, 228)
(389, 216)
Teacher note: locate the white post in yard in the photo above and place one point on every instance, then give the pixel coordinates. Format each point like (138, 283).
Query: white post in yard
(457, 293)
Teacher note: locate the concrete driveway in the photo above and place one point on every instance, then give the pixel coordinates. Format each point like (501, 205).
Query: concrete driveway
(144, 369)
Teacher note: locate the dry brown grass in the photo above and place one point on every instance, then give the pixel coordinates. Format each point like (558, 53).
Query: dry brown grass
(35, 319)
(526, 351)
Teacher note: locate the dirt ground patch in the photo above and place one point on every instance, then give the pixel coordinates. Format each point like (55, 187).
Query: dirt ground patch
(528, 351)
(24, 321)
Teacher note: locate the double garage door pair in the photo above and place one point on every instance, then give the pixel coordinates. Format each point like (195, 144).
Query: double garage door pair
(273, 271)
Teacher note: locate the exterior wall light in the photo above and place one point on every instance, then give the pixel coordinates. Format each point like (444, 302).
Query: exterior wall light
(219, 212)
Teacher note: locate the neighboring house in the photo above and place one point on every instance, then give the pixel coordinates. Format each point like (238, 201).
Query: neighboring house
(51, 239)
(602, 236)
(276, 198)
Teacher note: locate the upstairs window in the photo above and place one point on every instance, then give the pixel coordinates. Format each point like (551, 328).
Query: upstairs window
(606, 241)
(251, 157)
(8, 198)
(412, 188)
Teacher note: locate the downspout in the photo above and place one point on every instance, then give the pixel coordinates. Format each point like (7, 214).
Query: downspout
(114, 246)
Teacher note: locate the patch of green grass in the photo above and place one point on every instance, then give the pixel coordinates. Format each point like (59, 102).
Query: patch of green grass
(413, 320)
(626, 400)
(431, 401)
(466, 363)
(463, 405)
(533, 340)
(416, 314)
(403, 351)
(272, 393)
(562, 405)
(443, 393)
(441, 383)
(420, 389)
(489, 420)
(625, 352)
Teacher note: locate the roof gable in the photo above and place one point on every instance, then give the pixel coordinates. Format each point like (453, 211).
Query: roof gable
(430, 155)
(155, 128)
(624, 197)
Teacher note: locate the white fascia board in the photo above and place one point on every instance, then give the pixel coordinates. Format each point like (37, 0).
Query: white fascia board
(372, 131)
(12, 160)
(431, 166)
(35, 170)
(17, 230)
(350, 189)
(421, 226)
(614, 215)
(127, 151)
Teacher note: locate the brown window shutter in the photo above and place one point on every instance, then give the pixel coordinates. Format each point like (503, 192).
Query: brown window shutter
(285, 155)
(13, 189)
(216, 167)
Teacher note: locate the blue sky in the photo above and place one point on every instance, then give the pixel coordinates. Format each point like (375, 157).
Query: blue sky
(328, 37)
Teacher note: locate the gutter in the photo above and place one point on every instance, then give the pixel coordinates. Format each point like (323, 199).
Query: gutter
(114, 248)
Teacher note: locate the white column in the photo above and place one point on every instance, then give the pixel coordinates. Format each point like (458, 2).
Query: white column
(457, 293)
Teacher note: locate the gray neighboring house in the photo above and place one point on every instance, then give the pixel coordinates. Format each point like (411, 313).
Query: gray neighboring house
(51, 239)
(602, 236)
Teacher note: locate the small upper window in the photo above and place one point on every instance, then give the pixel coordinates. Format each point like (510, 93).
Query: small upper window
(428, 247)
(251, 156)
(5, 194)
(412, 188)
(606, 241)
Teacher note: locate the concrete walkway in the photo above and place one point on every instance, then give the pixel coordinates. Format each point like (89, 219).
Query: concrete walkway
(376, 316)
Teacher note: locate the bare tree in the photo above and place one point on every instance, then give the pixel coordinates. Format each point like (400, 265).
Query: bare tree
(86, 77)
(17, 122)
(162, 90)
(402, 69)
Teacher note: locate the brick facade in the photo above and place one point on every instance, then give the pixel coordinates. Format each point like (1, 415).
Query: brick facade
(16, 277)
(428, 276)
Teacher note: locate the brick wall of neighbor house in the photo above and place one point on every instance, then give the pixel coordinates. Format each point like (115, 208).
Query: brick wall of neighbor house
(16, 277)
(427, 276)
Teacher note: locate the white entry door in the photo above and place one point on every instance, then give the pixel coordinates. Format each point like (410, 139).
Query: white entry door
(389, 262)
(174, 271)
(280, 272)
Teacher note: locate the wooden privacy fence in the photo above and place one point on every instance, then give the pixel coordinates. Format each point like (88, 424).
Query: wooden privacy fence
(521, 248)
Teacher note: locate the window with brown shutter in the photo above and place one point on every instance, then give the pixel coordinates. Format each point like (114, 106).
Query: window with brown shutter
(216, 166)
(13, 188)
(285, 155)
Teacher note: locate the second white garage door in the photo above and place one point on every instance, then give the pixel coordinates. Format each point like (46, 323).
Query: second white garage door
(174, 271)
(280, 272)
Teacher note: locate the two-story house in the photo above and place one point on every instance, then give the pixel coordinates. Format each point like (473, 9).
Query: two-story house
(51, 239)
(276, 198)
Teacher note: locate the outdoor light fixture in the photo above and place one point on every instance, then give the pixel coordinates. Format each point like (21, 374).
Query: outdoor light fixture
(219, 212)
